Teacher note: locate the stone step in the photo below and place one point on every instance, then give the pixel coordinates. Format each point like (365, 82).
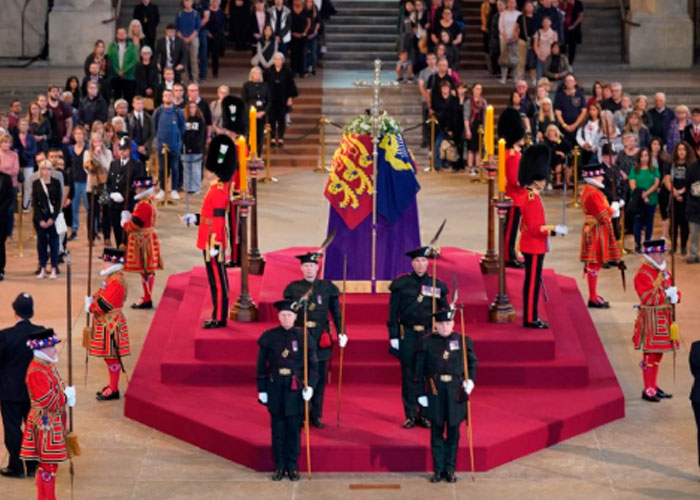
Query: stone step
(367, 30)
(387, 21)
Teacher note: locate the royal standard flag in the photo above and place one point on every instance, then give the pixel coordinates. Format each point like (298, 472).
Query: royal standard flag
(396, 182)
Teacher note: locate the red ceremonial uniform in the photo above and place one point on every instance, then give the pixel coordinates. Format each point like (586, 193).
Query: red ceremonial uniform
(598, 244)
(652, 329)
(516, 193)
(45, 429)
(233, 227)
(143, 247)
(110, 335)
(534, 232)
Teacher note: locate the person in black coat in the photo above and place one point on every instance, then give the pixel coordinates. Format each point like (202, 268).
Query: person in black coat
(149, 17)
(6, 199)
(283, 91)
(46, 200)
(122, 173)
(141, 127)
(92, 106)
(175, 57)
(280, 380)
(240, 27)
(694, 360)
(103, 83)
(440, 370)
(256, 93)
(15, 357)
(146, 75)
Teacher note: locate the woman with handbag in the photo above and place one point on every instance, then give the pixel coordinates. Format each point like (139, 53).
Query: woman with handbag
(46, 200)
(508, 31)
(96, 161)
(544, 38)
(474, 110)
(527, 60)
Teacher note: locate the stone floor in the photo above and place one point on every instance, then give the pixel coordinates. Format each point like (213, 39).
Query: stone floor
(648, 455)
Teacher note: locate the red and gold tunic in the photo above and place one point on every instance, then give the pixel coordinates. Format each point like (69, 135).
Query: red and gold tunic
(598, 244)
(212, 217)
(513, 189)
(44, 432)
(652, 329)
(534, 232)
(142, 247)
(109, 331)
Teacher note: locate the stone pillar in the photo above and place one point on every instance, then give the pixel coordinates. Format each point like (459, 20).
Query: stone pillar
(22, 31)
(74, 26)
(664, 39)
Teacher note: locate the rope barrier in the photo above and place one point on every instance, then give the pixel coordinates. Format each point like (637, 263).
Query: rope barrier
(303, 136)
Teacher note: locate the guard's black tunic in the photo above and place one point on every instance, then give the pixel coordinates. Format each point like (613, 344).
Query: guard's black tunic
(280, 373)
(410, 310)
(324, 298)
(440, 371)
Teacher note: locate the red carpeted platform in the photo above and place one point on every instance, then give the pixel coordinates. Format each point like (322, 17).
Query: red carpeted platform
(534, 388)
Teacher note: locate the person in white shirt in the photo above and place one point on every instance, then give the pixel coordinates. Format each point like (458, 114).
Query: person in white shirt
(508, 30)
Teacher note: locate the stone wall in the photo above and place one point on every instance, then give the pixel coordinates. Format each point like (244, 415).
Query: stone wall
(664, 38)
(22, 27)
(74, 25)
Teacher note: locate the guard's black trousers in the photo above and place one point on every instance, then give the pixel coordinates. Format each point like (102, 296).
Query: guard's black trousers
(13, 414)
(286, 437)
(319, 391)
(444, 447)
(531, 288)
(410, 390)
(512, 223)
(218, 285)
(696, 411)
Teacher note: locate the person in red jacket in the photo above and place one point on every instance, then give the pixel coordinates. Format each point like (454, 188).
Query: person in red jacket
(143, 247)
(653, 332)
(534, 231)
(44, 437)
(598, 243)
(511, 129)
(211, 238)
(110, 335)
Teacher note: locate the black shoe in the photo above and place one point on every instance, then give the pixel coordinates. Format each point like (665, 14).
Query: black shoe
(450, 477)
(38, 270)
(684, 251)
(142, 305)
(423, 422)
(436, 477)
(294, 475)
(663, 395)
(278, 475)
(515, 264)
(232, 264)
(109, 397)
(316, 422)
(538, 324)
(31, 471)
(210, 323)
(653, 399)
(606, 265)
(7, 472)
(61, 260)
(2, 276)
(599, 304)
(73, 236)
(101, 390)
(409, 423)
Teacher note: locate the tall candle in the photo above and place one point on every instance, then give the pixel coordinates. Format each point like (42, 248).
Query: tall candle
(242, 164)
(253, 132)
(501, 165)
(488, 136)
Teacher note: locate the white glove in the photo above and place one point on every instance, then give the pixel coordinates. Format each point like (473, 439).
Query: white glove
(615, 205)
(70, 396)
(262, 397)
(468, 386)
(561, 230)
(672, 294)
(394, 344)
(307, 393)
(213, 252)
(189, 219)
(622, 203)
(342, 340)
(126, 216)
(88, 303)
(116, 197)
(423, 401)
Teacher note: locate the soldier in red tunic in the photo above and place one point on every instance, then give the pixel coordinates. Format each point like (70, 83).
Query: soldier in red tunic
(143, 247)
(534, 231)
(110, 335)
(45, 430)
(511, 129)
(654, 330)
(211, 239)
(598, 243)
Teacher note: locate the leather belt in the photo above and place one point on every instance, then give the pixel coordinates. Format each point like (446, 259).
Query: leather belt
(311, 324)
(416, 328)
(284, 371)
(445, 378)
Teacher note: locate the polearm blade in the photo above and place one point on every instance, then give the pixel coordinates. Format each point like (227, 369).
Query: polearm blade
(455, 290)
(437, 234)
(329, 239)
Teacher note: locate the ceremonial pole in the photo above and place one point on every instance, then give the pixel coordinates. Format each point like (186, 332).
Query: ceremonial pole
(342, 330)
(465, 363)
(256, 262)
(489, 262)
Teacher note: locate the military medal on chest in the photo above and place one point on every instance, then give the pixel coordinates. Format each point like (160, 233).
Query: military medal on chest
(445, 354)
(285, 353)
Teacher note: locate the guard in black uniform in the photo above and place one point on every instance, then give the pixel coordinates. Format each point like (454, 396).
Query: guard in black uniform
(440, 370)
(322, 300)
(280, 375)
(410, 319)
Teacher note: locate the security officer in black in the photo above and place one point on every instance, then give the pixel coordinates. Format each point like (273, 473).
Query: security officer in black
(410, 319)
(440, 370)
(322, 300)
(280, 375)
